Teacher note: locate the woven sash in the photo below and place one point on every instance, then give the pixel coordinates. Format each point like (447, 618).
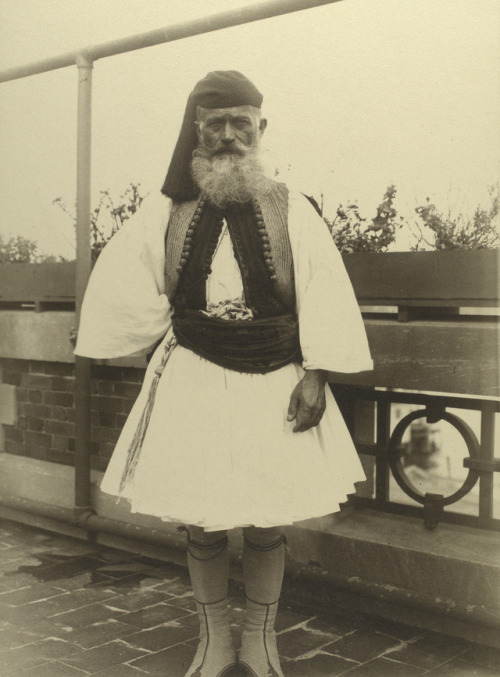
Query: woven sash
(255, 346)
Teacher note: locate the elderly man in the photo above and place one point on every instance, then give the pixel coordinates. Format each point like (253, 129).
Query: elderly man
(240, 283)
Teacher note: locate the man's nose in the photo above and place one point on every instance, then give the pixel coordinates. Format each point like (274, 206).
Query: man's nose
(228, 133)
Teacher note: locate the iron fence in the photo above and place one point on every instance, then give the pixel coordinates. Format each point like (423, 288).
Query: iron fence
(387, 451)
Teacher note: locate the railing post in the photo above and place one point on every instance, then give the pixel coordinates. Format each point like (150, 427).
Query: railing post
(83, 264)
(487, 452)
(382, 467)
(364, 432)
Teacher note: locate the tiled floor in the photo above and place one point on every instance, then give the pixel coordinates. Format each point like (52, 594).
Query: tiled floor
(70, 608)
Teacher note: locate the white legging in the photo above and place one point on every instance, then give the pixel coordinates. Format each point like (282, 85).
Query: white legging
(263, 563)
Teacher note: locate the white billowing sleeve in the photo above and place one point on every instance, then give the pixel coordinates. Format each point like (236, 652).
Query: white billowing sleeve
(332, 333)
(125, 309)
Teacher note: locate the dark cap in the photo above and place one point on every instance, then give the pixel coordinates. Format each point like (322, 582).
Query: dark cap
(218, 89)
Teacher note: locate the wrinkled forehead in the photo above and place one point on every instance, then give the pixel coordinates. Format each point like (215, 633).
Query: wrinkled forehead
(234, 112)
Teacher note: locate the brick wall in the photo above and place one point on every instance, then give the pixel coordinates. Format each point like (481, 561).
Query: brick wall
(114, 390)
(45, 422)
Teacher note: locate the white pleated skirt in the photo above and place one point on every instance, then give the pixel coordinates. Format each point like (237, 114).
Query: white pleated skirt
(219, 453)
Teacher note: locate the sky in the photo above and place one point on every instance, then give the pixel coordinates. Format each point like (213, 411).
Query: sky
(359, 94)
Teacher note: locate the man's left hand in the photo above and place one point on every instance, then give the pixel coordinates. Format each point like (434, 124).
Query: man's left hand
(307, 402)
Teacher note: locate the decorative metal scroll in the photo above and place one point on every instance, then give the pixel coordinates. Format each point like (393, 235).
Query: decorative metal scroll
(433, 503)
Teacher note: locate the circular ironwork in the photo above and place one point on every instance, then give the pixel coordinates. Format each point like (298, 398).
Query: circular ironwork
(397, 468)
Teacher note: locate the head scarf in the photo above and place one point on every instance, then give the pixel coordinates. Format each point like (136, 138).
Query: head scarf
(219, 89)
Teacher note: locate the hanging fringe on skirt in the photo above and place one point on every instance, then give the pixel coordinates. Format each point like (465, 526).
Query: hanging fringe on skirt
(136, 444)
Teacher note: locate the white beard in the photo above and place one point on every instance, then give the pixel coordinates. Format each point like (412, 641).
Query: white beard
(229, 177)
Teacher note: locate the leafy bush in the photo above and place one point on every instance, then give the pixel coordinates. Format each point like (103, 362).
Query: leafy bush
(353, 233)
(108, 217)
(460, 232)
(20, 249)
(431, 228)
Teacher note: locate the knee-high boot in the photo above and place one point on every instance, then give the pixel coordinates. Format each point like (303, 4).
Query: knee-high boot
(263, 567)
(209, 570)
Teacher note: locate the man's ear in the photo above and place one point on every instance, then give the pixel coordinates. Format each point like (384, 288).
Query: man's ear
(198, 130)
(262, 125)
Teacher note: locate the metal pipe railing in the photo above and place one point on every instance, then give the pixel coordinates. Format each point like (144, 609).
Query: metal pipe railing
(82, 273)
(186, 29)
(89, 521)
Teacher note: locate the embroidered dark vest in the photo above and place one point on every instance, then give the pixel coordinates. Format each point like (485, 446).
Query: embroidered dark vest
(259, 234)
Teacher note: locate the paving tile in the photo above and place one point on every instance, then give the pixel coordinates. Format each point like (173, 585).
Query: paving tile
(34, 654)
(429, 651)
(153, 615)
(17, 581)
(101, 657)
(151, 580)
(286, 619)
(101, 633)
(192, 621)
(168, 571)
(293, 643)
(29, 594)
(139, 599)
(13, 538)
(176, 587)
(19, 659)
(51, 669)
(81, 598)
(86, 580)
(482, 655)
(336, 624)
(177, 660)
(15, 566)
(457, 668)
(9, 553)
(31, 655)
(52, 648)
(162, 637)
(394, 629)
(382, 667)
(317, 665)
(186, 602)
(85, 616)
(18, 616)
(121, 585)
(53, 566)
(361, 645)
(45, 628)
(10, 639)
(122, 569)
(121, 671)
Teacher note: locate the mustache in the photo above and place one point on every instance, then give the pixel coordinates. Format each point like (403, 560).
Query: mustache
(235, 147)
(229, 150)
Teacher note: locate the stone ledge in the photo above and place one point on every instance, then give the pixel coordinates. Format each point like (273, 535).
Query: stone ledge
(450, 575)
(27, 335)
